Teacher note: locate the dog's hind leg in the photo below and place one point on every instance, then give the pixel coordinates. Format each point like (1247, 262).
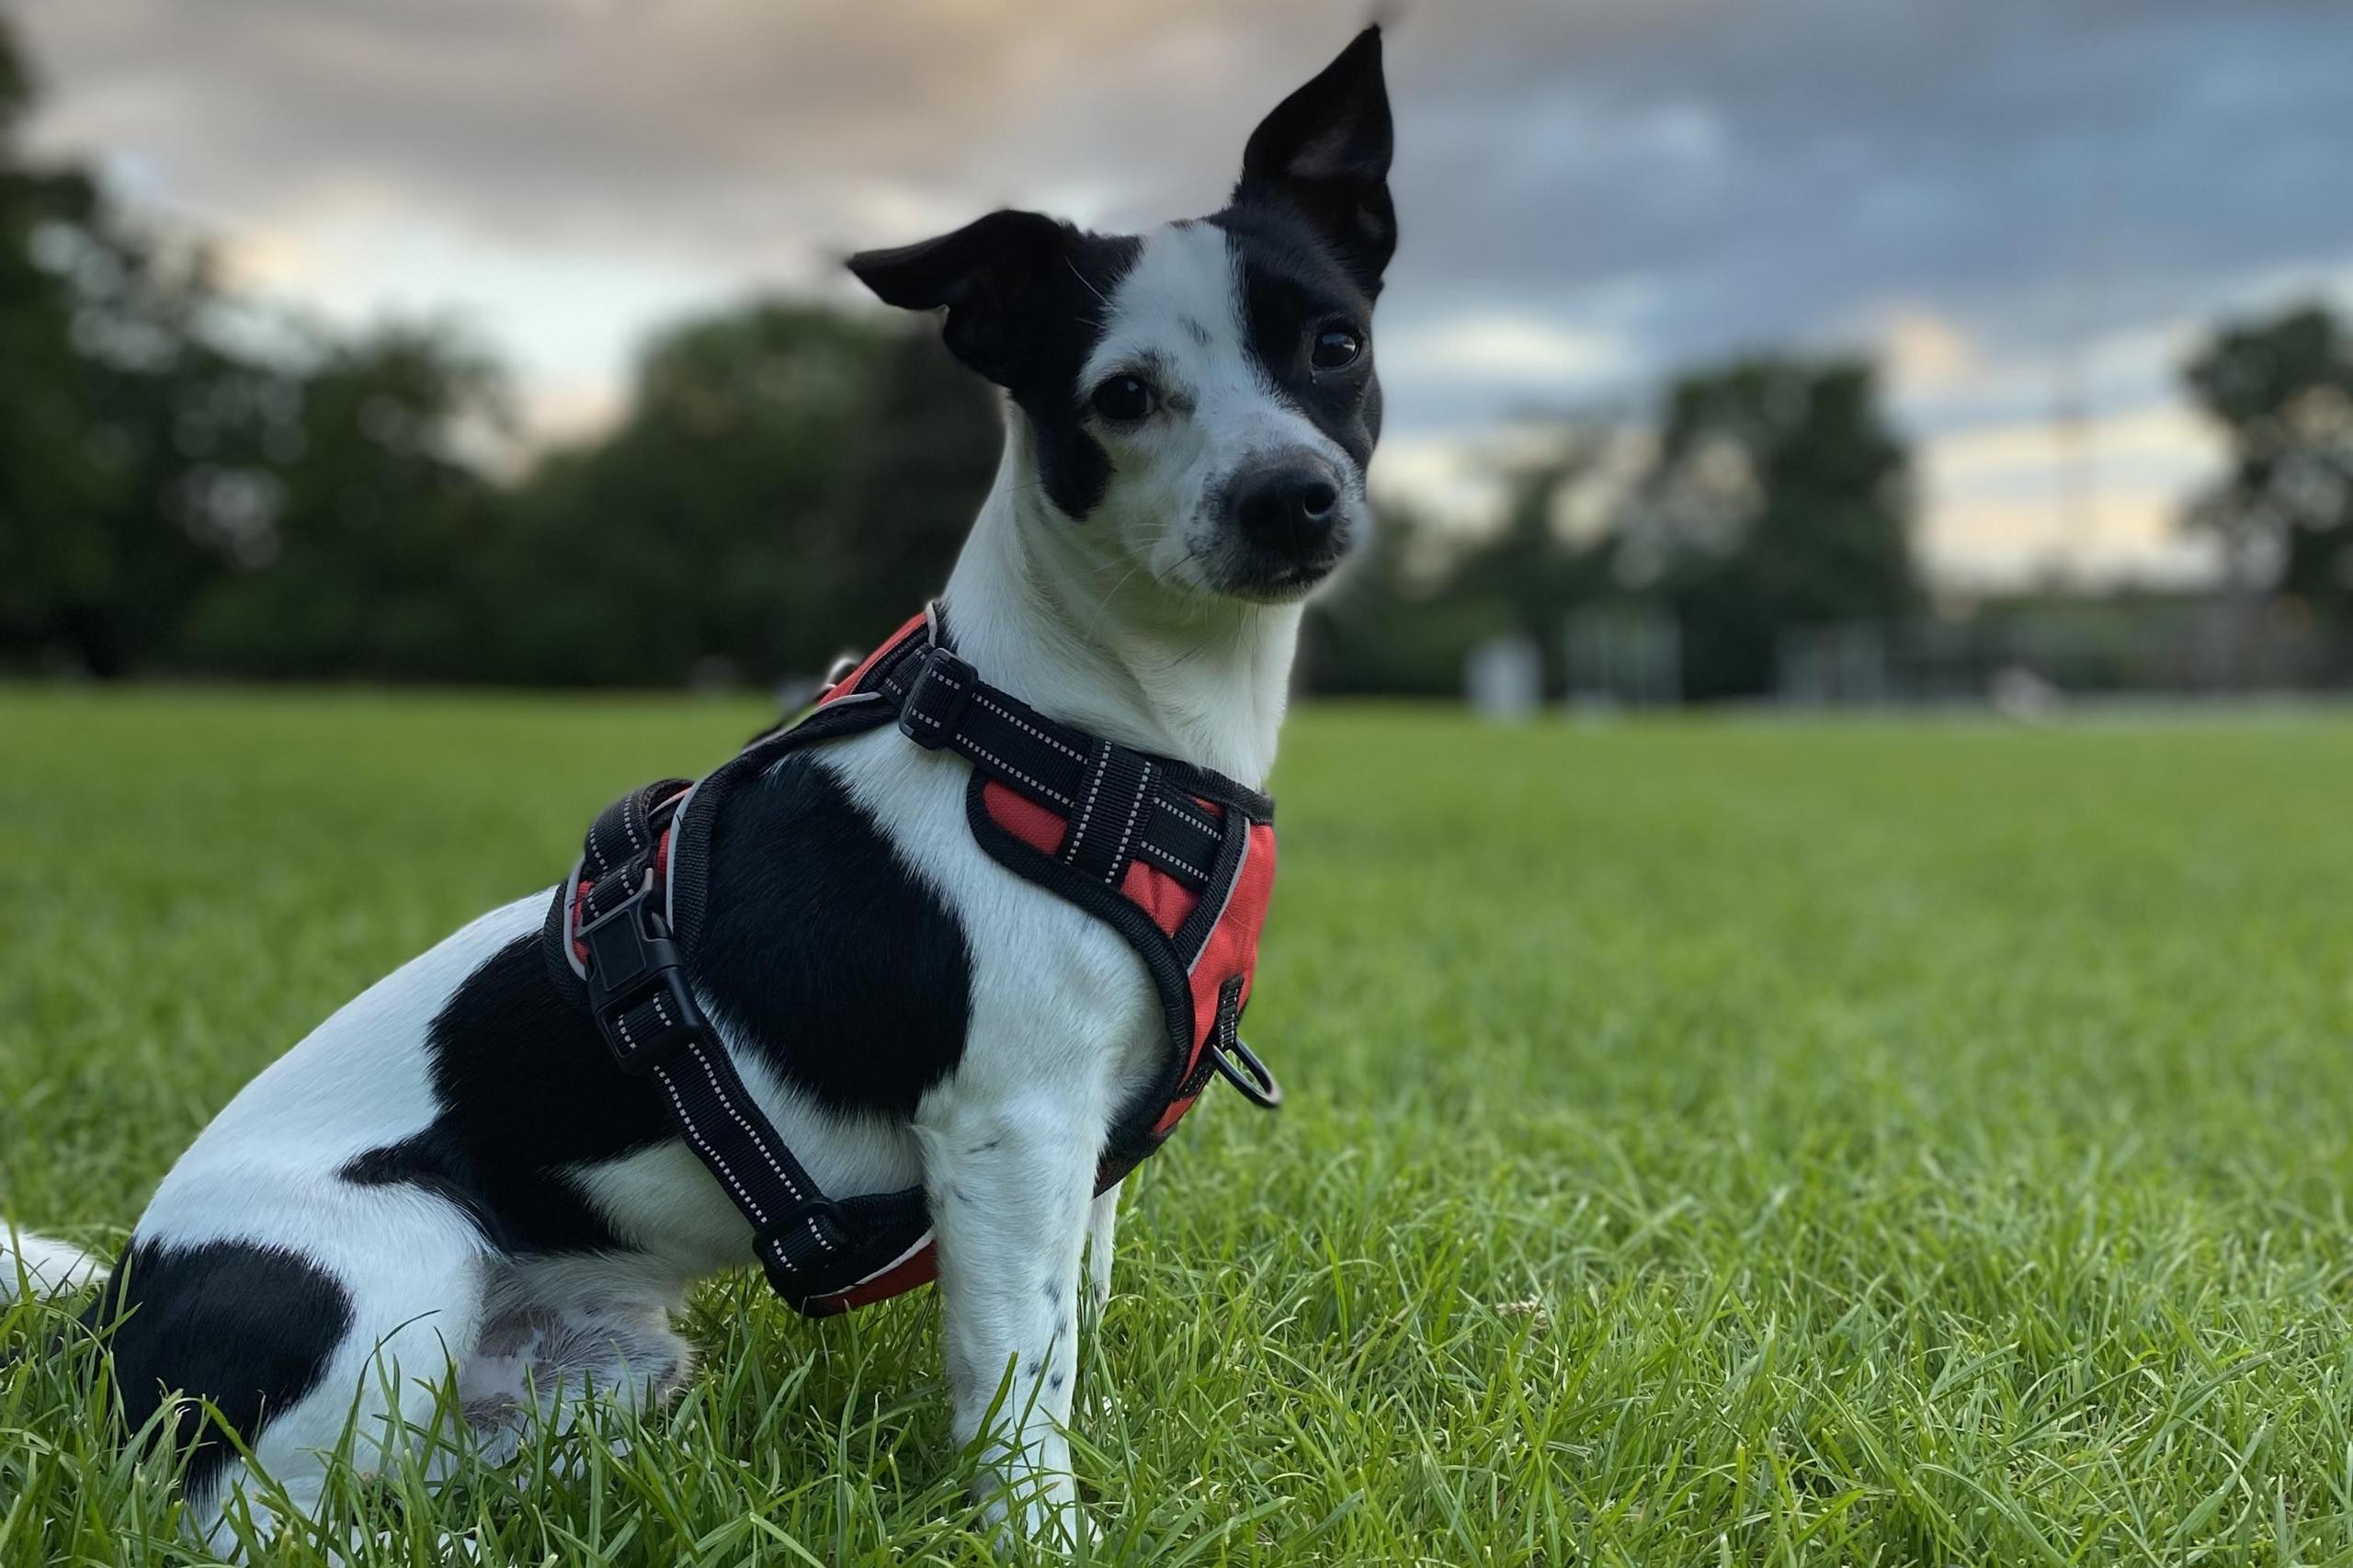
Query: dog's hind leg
(560, 1334)
(300, 1338)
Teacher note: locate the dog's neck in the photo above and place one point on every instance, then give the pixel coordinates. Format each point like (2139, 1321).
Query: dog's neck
(1037, 610)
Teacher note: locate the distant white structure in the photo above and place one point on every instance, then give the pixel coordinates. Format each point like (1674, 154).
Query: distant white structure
(1850, 663)
(1629, 656)
(2018, 693)
(1503, 679)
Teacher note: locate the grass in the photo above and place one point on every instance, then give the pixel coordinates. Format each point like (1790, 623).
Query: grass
(1709, 1142)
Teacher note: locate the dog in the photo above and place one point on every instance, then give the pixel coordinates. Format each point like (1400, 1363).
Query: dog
(1189, 411)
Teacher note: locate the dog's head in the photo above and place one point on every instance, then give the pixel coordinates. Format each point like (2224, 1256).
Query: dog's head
(1200, 399)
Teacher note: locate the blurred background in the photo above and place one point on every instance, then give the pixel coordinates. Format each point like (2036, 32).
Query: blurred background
(1813, 352)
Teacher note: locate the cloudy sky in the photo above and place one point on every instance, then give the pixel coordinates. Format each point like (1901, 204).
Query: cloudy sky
(2021, 206)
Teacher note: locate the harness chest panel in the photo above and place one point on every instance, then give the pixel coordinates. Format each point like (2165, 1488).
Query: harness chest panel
(1178, 860)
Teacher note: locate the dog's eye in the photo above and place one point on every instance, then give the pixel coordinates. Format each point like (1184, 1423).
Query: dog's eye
(1337, 348)
(1123, 400)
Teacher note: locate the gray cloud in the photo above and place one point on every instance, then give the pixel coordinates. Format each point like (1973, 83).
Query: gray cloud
(1682, 176)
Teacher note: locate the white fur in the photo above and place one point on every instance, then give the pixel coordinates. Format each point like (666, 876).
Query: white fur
(1109, 625)
(38, 1265)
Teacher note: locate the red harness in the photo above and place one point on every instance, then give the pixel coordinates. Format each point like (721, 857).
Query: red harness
(1178, 860)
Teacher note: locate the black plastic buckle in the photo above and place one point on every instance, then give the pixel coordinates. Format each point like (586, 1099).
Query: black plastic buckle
(632, 958)
(935, 702)
(810, 1233)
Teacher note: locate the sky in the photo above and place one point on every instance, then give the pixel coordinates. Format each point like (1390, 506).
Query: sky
(2030, 210)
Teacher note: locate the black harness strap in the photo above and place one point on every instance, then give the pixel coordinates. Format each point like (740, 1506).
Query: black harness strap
(1121, 802)
(639, 994)
(621, 925)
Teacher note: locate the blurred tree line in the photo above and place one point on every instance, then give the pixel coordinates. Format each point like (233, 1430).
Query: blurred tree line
(191, 484)
(1767, 493)
(2282, 388)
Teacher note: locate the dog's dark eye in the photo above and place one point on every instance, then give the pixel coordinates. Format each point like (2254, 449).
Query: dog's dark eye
(1337, 348)
(1123, 400)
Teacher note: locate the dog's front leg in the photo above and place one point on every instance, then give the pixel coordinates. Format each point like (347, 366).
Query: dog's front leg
(1009, 1178)
(1102, 1236)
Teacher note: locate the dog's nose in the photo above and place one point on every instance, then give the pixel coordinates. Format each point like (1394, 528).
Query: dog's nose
(1288, 509)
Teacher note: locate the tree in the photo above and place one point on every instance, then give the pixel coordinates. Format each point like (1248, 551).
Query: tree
(789, 481)
(118, 415)
(1395, 623)
(915, 472)
(2282, 390)
(1780, 498)
(47, 472)
(360, 543)
(1529, 570)
(691, 541)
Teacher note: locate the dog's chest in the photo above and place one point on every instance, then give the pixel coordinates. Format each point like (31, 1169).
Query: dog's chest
(871, 951)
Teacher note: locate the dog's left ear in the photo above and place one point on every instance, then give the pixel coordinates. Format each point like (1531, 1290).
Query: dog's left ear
(1326, 151)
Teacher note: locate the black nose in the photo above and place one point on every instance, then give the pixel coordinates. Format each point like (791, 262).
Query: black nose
(1286, 508)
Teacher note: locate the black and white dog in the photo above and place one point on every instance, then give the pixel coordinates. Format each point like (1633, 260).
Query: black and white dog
(1190, 411)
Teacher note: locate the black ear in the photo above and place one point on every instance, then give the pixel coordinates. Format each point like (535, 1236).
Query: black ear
(987, 274)
(1326, 151)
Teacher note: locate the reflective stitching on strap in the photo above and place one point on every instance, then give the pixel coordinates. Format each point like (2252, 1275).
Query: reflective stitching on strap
(1095, 772)
(1135, 809)
(1166, 804)
(737, 1116)
(1015, 719)
(1152, 851)
(1001, 764)
(693, 1135)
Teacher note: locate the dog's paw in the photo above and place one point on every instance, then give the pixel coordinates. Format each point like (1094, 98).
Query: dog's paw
(1053, 1523)
(447, 1551)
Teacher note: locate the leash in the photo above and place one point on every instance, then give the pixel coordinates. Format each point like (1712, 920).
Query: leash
(1177, 859)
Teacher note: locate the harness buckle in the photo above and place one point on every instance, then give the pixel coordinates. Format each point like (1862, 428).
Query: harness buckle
(935, 702)
(811, 1234)
(637, 985)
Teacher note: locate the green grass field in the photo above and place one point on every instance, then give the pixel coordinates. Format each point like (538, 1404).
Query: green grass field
(1709, 1142)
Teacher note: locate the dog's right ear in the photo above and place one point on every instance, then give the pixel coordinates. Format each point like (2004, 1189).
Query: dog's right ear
(989, 276)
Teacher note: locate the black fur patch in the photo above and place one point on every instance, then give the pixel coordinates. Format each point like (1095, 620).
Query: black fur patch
(838, 965)
(249, 1328)
(821, 946)
(1070, 321)
(526, 1087)
(1292, 286)
(1025, 298)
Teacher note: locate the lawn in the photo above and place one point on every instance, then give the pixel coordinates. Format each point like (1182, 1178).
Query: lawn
(1709, 1142)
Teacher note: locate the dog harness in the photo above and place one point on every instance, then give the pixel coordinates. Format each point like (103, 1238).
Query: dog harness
(1178, 860)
